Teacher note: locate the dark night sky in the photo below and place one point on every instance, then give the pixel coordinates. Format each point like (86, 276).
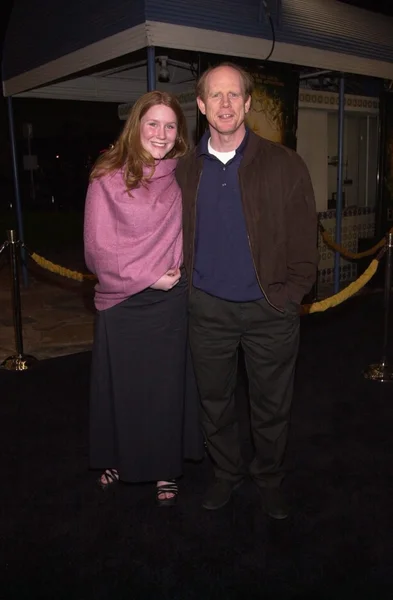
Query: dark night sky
(381, 6)
(5, 11)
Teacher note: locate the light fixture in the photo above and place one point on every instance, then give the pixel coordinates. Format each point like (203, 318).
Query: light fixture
(163, 73)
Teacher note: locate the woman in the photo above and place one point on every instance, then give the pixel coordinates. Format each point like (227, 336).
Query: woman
(133, 243)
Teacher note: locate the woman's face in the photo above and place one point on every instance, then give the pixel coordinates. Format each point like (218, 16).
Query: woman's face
(158, 130)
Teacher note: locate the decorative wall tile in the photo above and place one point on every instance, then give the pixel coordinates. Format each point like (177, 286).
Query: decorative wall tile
(356, 223)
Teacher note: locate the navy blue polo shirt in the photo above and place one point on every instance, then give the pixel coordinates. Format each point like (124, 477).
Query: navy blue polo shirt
(223, 264)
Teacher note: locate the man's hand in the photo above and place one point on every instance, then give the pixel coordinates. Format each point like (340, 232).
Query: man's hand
(167, 281)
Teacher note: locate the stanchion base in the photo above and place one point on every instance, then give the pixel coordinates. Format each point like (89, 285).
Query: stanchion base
(19, 362)
(379, 372)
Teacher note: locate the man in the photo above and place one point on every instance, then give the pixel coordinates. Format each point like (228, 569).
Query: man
(250, 253)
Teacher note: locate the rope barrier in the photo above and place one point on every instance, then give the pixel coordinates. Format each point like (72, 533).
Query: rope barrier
(382, 371)
(348, 253)
(63, 271)
(352, 289)
(77, 276)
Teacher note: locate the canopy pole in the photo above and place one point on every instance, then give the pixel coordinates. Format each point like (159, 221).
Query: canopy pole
(151, 68)
(339, 194)
(18, 205)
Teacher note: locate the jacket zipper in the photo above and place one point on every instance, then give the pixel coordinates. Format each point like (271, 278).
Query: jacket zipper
(194, 232)
(259, 281)
(252, 254)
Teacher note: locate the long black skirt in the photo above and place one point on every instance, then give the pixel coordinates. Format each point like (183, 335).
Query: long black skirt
(144, 402)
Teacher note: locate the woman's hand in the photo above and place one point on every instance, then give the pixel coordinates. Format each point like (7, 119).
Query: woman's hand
(167, 281)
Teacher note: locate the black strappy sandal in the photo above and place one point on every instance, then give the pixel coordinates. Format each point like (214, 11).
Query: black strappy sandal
(167, 488)
(111, 477)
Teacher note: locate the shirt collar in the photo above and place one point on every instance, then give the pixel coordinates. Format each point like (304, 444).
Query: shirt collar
(202, 147)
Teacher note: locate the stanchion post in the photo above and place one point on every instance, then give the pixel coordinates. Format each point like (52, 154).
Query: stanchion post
(19, 361)
(15, 291)
(383, 370)
(387, 297)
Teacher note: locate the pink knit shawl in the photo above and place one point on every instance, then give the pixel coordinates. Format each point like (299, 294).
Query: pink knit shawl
(131, 241)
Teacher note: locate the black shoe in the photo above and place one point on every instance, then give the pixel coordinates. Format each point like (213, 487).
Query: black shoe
(219, 494)
(274, 503)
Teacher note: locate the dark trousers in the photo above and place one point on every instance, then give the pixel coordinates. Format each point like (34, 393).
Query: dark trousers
(270, 341)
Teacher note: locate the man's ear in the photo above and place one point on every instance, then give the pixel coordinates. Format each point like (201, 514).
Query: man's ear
(247, 104)
(201, 105)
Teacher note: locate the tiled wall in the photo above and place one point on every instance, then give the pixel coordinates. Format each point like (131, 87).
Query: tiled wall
(356, 223)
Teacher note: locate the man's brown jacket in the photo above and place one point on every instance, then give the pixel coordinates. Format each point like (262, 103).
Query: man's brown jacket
(280, 214)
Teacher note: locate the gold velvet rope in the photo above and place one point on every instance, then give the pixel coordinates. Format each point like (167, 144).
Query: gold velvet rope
(352, 289)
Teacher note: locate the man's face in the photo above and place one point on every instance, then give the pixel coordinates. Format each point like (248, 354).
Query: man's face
(224, 103)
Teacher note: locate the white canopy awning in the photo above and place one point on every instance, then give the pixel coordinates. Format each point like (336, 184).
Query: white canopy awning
(65, 78)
